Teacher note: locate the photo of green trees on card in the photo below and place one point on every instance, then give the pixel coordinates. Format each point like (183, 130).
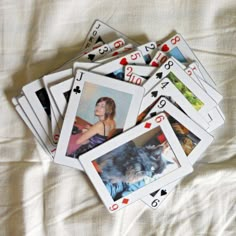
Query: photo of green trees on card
(196, 102)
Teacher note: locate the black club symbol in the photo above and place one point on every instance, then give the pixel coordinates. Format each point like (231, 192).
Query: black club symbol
(77, 90)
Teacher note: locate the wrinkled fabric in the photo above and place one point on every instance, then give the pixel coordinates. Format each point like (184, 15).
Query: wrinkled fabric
(38, 197)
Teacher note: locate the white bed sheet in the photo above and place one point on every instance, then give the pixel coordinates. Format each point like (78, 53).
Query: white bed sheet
(38, 197)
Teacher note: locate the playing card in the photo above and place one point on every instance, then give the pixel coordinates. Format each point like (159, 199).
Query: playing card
(213, 119)
(101, 32)
(200, 100)
(116, 53)
(25, 106)
(32, 129)
(178, 48)
(115, 69)
(127, 167)
(48, 80)
(148, 50)
(84, 66)
(193, 139)
(216, 119)
(69, 63)
(39, 101)
(193, 71)
(216, 115)
(61, 94)
(143, 71)
(159, 59)
(103, 50)
(147, 71)
(166, 88)
(99, 108)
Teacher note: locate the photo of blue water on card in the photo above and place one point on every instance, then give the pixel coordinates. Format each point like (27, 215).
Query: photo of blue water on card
(175, 52)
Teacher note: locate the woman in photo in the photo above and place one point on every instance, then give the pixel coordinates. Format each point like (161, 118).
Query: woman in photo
(98, 133)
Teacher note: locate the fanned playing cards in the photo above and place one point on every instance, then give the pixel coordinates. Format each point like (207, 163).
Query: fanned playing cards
(135, 118)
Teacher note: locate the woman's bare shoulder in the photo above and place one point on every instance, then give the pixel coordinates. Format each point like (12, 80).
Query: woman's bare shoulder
(99, 124)
(110, 123)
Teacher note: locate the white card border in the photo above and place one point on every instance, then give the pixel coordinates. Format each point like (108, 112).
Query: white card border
(178, 97)
(87, 158)
(137, 92)
(209, 103)
(29, 91)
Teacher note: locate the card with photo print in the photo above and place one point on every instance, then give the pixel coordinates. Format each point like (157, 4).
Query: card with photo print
(62, 90)
(25, 118)
(127, 167)
(146, 72)
(48, 80)
(194, 72)
(99, 109)
(61, 95)
(115, 69)
(193, 139)
(200, 100)
(165, 87)
(216, 115)
(37, 96)
(148, 51)
(25, 106)
(178, 48)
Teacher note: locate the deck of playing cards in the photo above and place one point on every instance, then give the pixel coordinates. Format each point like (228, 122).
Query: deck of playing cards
(134, 117)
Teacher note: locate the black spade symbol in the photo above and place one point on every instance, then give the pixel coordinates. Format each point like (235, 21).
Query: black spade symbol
(163, 192)
(154, 93)
(159, 75)
(99, 40)
(91, 56)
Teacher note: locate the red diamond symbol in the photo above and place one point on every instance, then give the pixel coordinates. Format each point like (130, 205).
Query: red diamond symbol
(147, 125)
(125, 201)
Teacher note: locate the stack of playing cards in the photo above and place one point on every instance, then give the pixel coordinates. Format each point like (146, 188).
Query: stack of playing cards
(134, 117)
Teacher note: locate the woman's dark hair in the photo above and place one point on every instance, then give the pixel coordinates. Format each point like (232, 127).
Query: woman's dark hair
(110, 107)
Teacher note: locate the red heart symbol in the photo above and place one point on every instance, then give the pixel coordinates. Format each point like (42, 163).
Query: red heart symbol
(165, 48)
(123, 61)
(115, 53)
(155, 64)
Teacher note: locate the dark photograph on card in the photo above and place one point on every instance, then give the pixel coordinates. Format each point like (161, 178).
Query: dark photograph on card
(44, 100)
(67, 95)
(118, 74)
(187, 139)
(136, 163)
(101, 115)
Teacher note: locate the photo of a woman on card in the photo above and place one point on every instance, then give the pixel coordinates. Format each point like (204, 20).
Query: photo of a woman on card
(91, 136)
